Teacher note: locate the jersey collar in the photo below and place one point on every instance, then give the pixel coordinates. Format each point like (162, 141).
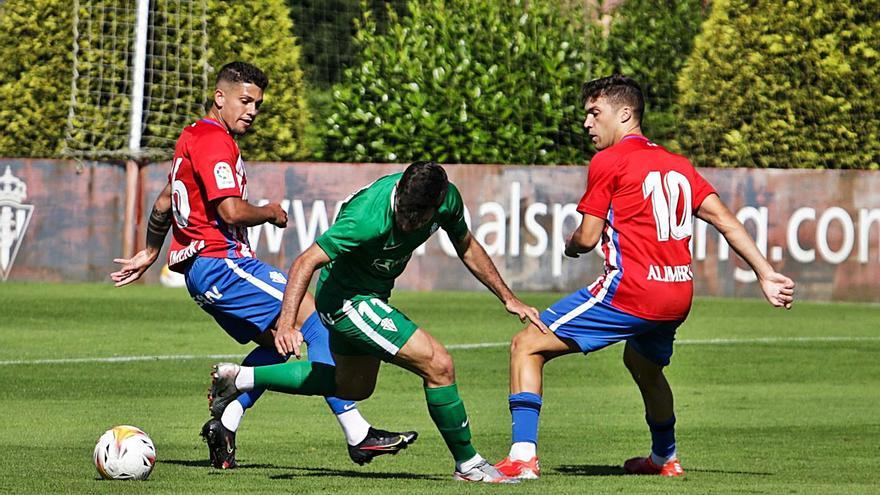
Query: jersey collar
(633, 136)
(214, 122)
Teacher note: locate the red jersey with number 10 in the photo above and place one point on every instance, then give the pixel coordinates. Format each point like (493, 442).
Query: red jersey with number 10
(648, 196)
(207, 166)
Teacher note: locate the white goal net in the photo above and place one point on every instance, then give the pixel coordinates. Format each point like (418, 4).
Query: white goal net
(132, 91)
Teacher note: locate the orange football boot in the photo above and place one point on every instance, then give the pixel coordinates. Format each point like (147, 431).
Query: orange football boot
(644, 465)
(524, 470)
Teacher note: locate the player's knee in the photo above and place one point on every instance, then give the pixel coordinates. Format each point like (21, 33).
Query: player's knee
(522, 344)
(643, 373)
(442, 369)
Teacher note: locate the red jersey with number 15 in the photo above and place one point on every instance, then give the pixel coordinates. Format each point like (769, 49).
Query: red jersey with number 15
(207, 166)
(648, 196)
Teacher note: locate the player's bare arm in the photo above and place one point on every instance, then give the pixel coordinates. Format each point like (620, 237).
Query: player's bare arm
(777, 288)
(288, 337)
(236, 211)
(478, 262)
(586, 237)
(157, 228)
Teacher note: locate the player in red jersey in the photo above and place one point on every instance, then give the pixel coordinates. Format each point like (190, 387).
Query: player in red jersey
(639, 202)
(207, 196)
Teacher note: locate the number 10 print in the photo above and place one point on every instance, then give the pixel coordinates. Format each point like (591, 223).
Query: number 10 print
(665, 192)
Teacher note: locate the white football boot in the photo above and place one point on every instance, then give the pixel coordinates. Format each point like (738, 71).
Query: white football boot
(484, 472)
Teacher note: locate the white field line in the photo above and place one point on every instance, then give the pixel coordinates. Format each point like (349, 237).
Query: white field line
(484, 345)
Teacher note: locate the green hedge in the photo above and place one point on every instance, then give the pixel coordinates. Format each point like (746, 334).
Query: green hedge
(325, 30)
(650, 40)
(467, 81)
(35, 47)
(261, 33)
(784, 84)
(35, 78)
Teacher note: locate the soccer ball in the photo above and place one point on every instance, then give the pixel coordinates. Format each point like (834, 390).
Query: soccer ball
(125, 453)
(171, 279)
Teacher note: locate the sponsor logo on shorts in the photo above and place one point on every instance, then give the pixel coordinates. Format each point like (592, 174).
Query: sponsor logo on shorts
(208, 297)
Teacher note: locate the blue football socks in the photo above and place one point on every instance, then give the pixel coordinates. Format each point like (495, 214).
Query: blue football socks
(525, 407)
(662, 437)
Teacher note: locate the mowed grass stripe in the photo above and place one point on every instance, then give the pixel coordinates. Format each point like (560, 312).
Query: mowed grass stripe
(483, 345)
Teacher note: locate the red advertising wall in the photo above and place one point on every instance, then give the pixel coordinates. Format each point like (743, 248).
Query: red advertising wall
(820, 227)
(58, 223)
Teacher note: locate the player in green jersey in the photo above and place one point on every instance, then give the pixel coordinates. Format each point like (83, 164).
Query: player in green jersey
(365, 250)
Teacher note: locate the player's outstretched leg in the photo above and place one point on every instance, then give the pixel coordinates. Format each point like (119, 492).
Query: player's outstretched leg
(364, 441)
(429, 359)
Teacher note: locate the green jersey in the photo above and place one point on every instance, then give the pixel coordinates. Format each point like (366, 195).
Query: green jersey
(366, 249)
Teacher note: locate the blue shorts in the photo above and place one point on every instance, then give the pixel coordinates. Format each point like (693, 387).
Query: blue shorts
(594, 324)
(244, 295)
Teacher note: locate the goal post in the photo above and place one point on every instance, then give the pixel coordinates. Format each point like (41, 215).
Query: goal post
(140, 73)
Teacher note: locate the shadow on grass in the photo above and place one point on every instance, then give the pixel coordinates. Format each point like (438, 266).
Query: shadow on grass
(592, 470)
(589, 470)
(348, 473)
(202, 463)
(728, 471)
(306, 471)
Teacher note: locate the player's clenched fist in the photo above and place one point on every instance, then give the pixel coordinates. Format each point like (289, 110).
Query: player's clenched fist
(279, 216)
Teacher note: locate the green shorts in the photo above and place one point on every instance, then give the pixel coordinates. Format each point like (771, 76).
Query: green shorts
(368, 326)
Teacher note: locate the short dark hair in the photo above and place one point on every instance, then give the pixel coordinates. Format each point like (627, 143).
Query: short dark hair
(618, 89)
(423, 186)
(243, 72)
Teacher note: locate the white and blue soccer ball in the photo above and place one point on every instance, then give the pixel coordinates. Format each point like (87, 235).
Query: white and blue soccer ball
(125, 453)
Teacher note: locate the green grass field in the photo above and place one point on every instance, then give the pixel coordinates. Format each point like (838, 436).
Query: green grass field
(767, 401)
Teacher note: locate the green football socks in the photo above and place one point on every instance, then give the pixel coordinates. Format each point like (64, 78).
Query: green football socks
(447, 411)
(297, 377)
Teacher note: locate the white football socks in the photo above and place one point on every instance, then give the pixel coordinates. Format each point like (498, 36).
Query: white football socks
(244, 381)
(354, 426)
(232, 416)
(523, 451)
(463, 467)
